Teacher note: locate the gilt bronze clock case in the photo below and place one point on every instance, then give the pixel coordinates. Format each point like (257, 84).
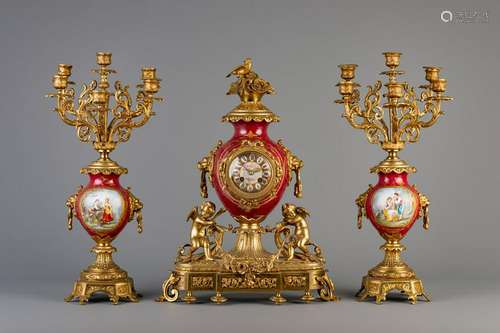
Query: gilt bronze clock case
(249, 173)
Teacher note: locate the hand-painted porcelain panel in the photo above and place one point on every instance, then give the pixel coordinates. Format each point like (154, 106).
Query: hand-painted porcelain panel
(102, 209)
(394, 206)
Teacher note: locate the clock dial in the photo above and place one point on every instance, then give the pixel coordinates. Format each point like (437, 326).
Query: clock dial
(250, 171)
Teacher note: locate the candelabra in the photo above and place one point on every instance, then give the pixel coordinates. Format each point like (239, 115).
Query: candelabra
(392, 205)
(103, 206)
(249, 173)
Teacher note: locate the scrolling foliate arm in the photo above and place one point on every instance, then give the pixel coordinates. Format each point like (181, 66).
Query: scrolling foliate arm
(65, 105)
(432, 107)
(87, 122)
(120, 127)
(413, 119)
(404, 119)
(64, 96)
(371, 119)
(431, 96)
(124, 117)
(408, 125)
(81, 118)
(144, 107)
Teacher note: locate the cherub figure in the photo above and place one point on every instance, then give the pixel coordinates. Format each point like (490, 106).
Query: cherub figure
(204, 225)
(300, 239)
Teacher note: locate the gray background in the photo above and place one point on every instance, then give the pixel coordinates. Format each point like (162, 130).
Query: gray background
(296, 45)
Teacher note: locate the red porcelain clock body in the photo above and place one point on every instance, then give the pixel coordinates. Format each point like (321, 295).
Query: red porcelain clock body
(250, 171)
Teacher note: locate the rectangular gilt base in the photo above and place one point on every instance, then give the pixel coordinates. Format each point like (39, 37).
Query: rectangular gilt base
(273, 282)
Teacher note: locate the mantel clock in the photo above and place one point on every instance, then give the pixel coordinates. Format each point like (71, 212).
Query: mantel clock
(249, 173)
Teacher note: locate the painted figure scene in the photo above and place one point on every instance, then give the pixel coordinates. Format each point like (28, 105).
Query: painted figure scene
(393, 207)
(102, 209)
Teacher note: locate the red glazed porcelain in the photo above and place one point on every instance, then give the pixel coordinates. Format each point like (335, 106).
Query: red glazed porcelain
(103, 207)
(392, 205)
(250, 171)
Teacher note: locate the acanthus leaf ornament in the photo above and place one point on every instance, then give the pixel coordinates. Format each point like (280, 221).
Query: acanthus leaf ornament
(103, 206)
(392, 205)
(170, 292)
(249, 174)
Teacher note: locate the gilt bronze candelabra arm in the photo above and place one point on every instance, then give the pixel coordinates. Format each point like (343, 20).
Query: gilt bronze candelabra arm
(103, 207)
(400, 119)
(392, 205)
(95, 120)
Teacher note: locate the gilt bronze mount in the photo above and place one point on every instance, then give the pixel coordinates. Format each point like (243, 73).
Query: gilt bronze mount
(392, 205)
(249, 173)
(103, 206)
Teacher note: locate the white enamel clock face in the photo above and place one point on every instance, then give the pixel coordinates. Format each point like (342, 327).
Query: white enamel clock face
(250, 172)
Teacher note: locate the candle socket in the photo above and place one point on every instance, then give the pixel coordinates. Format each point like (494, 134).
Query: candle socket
(103, 58)
(64, 70)
(431, 73)
(148, 73)
(394, 90)
(392, 59)
(151, 86)
(346, 88)
(59, 81)
(439, 85)
(347, 71)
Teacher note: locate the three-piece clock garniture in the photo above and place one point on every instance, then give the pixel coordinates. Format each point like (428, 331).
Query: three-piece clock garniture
(249, 173)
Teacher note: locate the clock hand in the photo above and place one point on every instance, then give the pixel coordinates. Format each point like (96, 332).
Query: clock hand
(251, 171)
